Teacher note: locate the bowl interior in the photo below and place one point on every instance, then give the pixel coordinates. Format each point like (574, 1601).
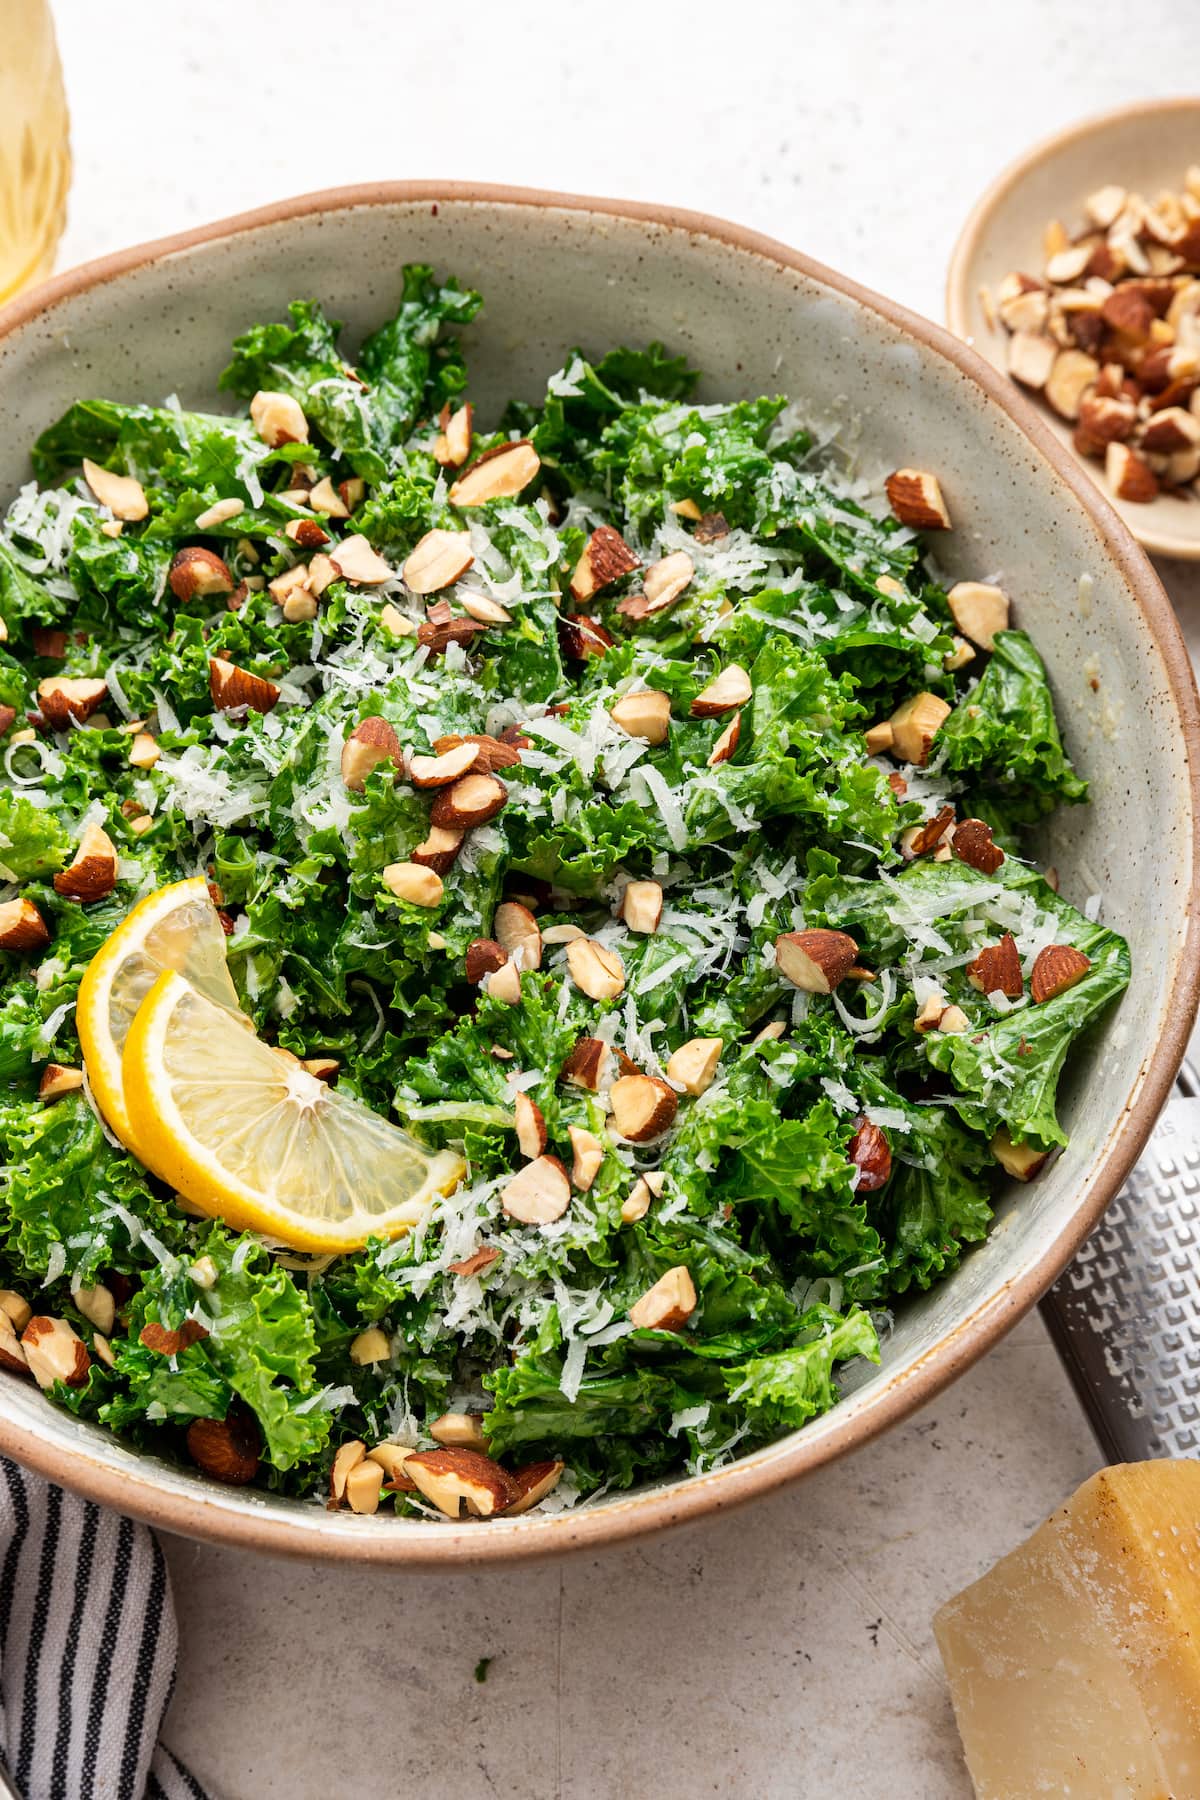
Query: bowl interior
(1144, 148)
(756, 319)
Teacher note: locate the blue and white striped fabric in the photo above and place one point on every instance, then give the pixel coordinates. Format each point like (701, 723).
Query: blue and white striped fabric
(87, 1650)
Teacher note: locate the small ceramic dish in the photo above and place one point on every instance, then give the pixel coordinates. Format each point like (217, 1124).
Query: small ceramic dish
(1145, 148)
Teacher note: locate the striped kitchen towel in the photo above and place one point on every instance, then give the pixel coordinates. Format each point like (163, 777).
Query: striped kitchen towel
(87, 1650)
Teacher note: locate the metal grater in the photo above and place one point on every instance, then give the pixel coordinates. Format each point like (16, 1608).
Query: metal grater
(1125, 1315)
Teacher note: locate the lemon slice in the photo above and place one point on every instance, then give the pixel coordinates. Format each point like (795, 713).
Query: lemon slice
(174, 928)
(246, 1134)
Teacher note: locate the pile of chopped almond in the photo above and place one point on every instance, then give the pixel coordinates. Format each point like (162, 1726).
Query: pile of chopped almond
(1110, 334)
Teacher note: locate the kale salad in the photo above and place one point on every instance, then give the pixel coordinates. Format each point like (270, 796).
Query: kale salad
(605, 817)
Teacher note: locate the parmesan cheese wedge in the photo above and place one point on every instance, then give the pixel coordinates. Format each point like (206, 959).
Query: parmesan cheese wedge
(1074, 1665)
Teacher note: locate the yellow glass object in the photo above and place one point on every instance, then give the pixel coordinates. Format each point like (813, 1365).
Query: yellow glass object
(35, 153)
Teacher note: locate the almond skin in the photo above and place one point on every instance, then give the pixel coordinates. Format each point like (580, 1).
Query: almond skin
(998, 967)
(63, 701)
(493, 753)
(580, 637)
(871, 1155)
(166, 1342)
(668, 1305)
(230, 687)
(606, 558)
(974, 845)
(440, 849)
(55, 1352)
(22, 926)
(929, 835)
(642, 1107)
(196, 573)
(916, 499)
(226, 1449)
(476, 1263)
(585, 1064)
(436, 633)
(57, 1081)
(531, 1127)
(726, 743)
(815, 961)
(471, 801)
(93, 873)
(450, 1478)
(484, 957)
(530, 1486)
(1057, 968)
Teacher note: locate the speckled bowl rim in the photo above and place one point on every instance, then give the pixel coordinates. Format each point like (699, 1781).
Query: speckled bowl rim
(236, 1516)
(958, 274)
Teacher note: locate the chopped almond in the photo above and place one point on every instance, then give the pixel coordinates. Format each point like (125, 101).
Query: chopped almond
(124, 497)
(641, 906)
(997, 969)
(470, 801)
(517, 931)
(437, 561)
(57, 1080)
(815, 961)
(356, 562)
(278, 419)
(587, 1156)
(646, 715)
(668, 1305)
(413, 882)
(642, 1107)
(55, 1352)
(93, 871)
(64, 701)
(226, 1449)
(22, 927)
(916, 724)
(232, 687)
(198, 574)
(453, 1478)
(531, 1127)
(452, 446)
(1129, 477)
(596, 970)
(371, 744)
(915, 497)
(1020, 1160)
(606, 558)
(693, 1066)
(499, 474)
(537, 1194)
(463, 1429)
(979, 610)
(440, 771)
(1056, 968)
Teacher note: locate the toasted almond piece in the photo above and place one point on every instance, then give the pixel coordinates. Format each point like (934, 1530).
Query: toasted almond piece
(1031, 357)
(437, 561)
(499, 474)
(668, 1305)
(595, 969)
(929, 835)
(413, 882)
(974, 845)
(537, 1194)
(306, 533)
(473, 800)
(726, 743)
(637, 1203)
(370, 1347)
(815, 961)
(1022, 1161)
(585, 1064)
(530, 1486)
(1025, 314)
(97, 1305)
(642, 1107)
(930, 1011)
(484, 957)
(58, 1080)
(606, 558)
(22, 926)
(1129, 477)
(55, 1352)
(871, 1155)
(646, 715)
(364, 1485)
(1105, 206)
(324, 498)
(391, 618)
(462, 1429)
(226, 1449)
(562, 934)
(278, 419)
(167, 1340)
(997, 968)
(391, 1458)
(666, 579)
(64, 700)
(357, 562)
(587, 1155)
(452, 446)
(954, 1021)
(517, 931)
(325, 1068)
(1170, 428)
(1069, 264)
(580, 637)
(1073, 373)
(494, 753)
(916, 724)
(979, 611)
(1057, 968)
(348, 1457)
(440, 849)
(93, 871)
(124, 497)
(1128, 309)
(504, 984)
(915, 497)
(293, 583)
(12, 1357)
(642, 906)
(693, 1066)
(371, 744)
(879, 737)
(1183, 466)
(1107, 417)
(318, 575)
(231, 687)
(686, 509)
(198, 574)
(452, 1478)
(531, 1127)
(732, 687)
(16, 1308)
(958, 658)
(440, 771)
(484, 609)
(143, 751)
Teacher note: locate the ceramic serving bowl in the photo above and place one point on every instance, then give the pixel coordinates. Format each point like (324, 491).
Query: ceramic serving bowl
(757, 318)
(1145, 148)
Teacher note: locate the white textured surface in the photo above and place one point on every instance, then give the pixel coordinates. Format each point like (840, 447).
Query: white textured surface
(785, 1650)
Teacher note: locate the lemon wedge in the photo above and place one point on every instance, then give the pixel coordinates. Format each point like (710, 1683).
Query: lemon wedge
(174, 928)
(248, 1135)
